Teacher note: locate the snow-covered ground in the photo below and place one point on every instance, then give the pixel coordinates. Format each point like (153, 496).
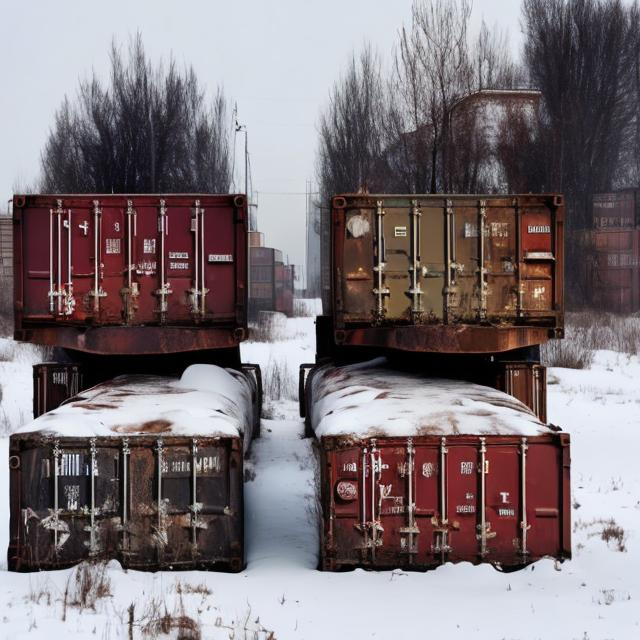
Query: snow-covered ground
(281, 594)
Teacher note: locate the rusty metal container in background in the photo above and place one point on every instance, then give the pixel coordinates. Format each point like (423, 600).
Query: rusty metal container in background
(526, 381)
(53, 383)
(617, 210)
(140, 274)
(139, 492)
(615, 277)
(449, 274)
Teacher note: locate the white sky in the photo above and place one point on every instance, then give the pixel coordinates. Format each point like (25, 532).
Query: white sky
(277, 60)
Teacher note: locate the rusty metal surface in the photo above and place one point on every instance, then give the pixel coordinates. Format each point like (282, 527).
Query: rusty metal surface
(615, 272)
(425, 262)
(526, 381)
(617, 210)
(134, 499)
(416, 503)
(440, 338)
(147, 340)
(53, 383)
(85, 264)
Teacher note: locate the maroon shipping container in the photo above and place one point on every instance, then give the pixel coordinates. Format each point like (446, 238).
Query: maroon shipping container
(140, 274)
(416, 472)
(617, 210)
(284, 289)
(616, 270)
(447, 274)
(415, 503)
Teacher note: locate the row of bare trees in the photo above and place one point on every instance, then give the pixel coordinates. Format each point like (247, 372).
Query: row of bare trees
(150, 129)
(424, 132)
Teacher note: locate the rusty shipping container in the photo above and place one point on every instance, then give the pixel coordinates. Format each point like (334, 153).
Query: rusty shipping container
(53, 383)
(417, 472)
(448, 274)
(140, 274)
(617, 210)
(144, 469)
(615, 275)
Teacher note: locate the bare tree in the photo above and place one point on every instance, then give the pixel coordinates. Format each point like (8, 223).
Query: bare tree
(151, 129)
(351, 142)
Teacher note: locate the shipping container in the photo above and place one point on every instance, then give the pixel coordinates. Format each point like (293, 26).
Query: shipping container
(272, 282)
(53, 383)
(140, 274)
(416, 472)
(615, 275)
(143, 469)
(618, 210)
(6, 248)
(449, 274)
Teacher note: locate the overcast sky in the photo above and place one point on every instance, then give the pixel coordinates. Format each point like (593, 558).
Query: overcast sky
(276, 59)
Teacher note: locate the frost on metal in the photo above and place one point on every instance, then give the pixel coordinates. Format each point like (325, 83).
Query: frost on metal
(371, 400)
(206, 400)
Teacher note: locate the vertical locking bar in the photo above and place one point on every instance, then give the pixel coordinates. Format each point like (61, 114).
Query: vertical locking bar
(125, 489)
(411, 507)
(518, 259)
(204, 290)
(97, 214)
(443, 547)
(92, 515)
(60, 285)
(165, 287)
(375, 470)
(159, 448)
(449, 243)
(482, 284)
(195, 507)
(56, 473)
(415, 291)
(524, 524)
(196, 263)
(380, 290)
(52, 292)
(363, 514)
(483, 498)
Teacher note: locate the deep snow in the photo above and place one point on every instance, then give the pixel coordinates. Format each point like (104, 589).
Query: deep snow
(594, 596)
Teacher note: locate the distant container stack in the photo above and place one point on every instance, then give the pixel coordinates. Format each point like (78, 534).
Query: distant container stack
(615, 272)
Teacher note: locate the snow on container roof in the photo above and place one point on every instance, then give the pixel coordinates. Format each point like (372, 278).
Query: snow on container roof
(206, 401)
(371, 400)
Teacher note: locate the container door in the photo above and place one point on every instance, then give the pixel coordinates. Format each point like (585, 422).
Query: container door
(466, 303)
(112, 263)
(397, 259)
(219, 262)
(432, 261)
(503, 516)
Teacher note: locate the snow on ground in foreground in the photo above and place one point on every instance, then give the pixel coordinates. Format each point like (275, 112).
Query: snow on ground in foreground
(594, 596)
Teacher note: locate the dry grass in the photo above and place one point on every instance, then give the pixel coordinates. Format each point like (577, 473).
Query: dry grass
(85, 586)
(590, 331)
(280, 382)
(608, 530)
(271, 327)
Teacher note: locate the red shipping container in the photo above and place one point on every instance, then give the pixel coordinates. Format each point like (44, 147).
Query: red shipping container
(92, 270)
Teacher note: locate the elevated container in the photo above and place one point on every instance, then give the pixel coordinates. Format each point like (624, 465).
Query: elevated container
(446, 274)
(139, 274)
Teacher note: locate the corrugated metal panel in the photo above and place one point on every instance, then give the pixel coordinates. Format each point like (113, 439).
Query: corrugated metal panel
(96, 262)
(406, 271)
(416, 503)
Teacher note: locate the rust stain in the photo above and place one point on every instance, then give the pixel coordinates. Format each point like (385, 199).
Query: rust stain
(152, 426)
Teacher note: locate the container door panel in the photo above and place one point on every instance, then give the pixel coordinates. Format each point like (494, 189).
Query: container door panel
(82, 262)
(501, 262)
(432, 238)
(37, 248)
(427, 491)
(503, 501)
(145, 275)
(543, 500)
(112, 263)
(462, 501)
(180, 263)
(357, 279)
(347, 487)
(538, 261)
(397, 239)
(466, 257)
(220, 262)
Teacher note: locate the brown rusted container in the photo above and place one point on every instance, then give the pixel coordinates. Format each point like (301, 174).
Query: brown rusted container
(526, 381)
(139, 274)
(62, 514)
(265, 263)
(615, 277)
(147, 494)
(448, 274)
(53, 383)
(416, 503)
